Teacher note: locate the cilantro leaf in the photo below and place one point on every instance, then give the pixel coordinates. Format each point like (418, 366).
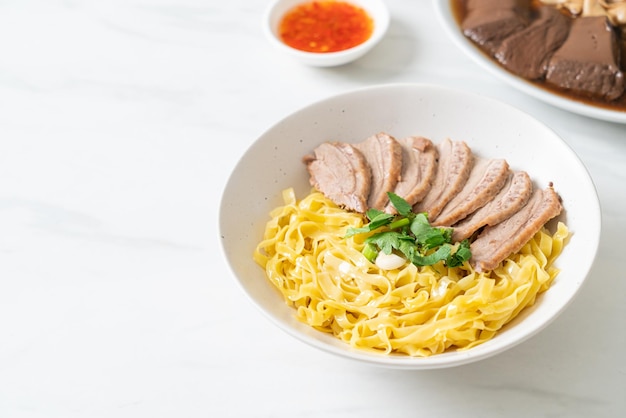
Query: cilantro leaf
(372, 213)
(391, 240)
(461, 255)
(387, 241)
(442, 253)
(401, 205)
(427, 235)
(411, 235)
(379, 220)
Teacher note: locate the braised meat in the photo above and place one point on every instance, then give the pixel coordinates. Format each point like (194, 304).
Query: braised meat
(527, 52)
(341, 173)
(488, 22)
(484, 182)
(453, 169)
(384, 157)
(588, 61)
(512, 197)
(419, 165)
(495, 243)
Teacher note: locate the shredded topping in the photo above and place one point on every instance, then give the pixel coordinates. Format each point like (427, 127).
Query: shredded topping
(615, 10)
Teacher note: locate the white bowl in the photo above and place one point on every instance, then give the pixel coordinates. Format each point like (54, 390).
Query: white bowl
(445, 14)
(491, 128)
(377, 10)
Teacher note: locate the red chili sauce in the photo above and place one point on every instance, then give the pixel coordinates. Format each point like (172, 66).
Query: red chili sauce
(325, 26)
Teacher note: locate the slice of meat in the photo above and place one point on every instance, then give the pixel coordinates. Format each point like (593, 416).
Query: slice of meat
(527, 52)
(497, 242)
(384, 156)
(484, 182)
(588, 62)
(419, 165)
(512, 197)
(341, 173)
(488, 22)
(453, 168)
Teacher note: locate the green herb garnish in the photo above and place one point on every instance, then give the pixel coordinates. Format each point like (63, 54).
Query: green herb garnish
(410, 235)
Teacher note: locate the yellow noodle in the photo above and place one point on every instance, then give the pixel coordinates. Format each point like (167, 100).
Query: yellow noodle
(418, 311)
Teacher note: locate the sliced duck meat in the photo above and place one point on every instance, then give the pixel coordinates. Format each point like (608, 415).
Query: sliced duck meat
(485, 181)
(453, 169)
(489, 22)
(495, 243)
(511, 198)
(384, 156)
(588, 62)
(419, 165)
(341, 173)
(527, 52)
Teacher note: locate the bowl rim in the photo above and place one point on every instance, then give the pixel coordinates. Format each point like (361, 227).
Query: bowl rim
(381, 24)
(448, 359)
(445, 16)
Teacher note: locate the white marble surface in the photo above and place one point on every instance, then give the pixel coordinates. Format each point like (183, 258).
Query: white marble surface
(120, 121)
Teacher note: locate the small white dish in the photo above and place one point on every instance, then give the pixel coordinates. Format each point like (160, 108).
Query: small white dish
(491, 128)
(449, 23)
(377, 10)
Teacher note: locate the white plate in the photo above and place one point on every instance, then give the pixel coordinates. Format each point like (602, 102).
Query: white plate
(491, 129)
(444, 12)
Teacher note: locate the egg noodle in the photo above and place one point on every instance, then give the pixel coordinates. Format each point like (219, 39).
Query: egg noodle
(418, 311)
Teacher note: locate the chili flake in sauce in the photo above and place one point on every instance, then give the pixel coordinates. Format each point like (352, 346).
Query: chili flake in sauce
(325, 26)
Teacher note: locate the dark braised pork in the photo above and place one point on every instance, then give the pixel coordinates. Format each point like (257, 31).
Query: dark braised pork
(566, 51)
(587, 63)
(528, 51)
(489, 22)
